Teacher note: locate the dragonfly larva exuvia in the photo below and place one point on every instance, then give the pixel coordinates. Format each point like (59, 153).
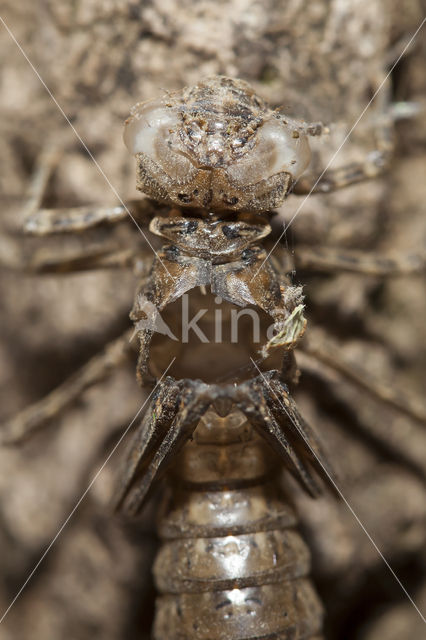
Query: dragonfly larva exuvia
(218, 319)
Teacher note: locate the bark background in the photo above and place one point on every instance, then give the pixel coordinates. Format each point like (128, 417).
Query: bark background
(319, 60)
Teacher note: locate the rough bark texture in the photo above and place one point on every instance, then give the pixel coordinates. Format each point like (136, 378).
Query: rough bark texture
(319, 60)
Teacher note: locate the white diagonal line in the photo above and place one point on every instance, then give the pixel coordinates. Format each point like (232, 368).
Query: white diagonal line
(286, 226)
(84, 494)
(345, 500)
(84, 145)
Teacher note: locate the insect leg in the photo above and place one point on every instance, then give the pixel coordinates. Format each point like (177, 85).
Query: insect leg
(373, 165)
(388, 432)
(75, 219)
(45, 165)
(89, 251)
(326, 351)
(330, 259)
(34, 417)
(87, 260)
(40, 221)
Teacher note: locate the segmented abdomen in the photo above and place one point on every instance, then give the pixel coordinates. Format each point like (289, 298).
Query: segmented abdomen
(232, 565)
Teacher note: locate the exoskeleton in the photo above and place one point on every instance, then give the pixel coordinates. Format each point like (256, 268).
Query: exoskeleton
(232, 564)
(221, 425)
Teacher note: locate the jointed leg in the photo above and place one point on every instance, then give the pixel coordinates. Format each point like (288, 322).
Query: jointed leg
(329, 259)
(45, 221)
(69, 258)
(75, 251)
(87, 260)
(374, 164)
(75, 219)
(326, 351)
(403, 440)
(40, 222)
(34, 417)
(46, 164)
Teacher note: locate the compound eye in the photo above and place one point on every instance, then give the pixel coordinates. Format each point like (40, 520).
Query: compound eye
(148, 122)
(279, 148)
(289, 148)
(150, 131)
